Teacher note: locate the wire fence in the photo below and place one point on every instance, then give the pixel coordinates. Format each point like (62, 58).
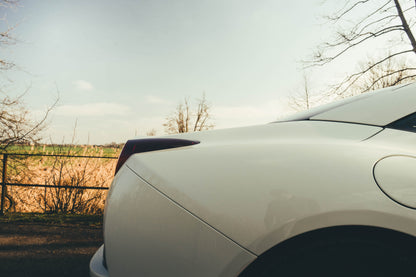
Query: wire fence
(77, 181)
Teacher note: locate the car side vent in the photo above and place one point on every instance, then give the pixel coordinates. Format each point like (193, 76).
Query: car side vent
(135, 146)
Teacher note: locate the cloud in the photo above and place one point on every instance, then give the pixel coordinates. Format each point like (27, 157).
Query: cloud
(83, 85)
(92, 109)
(156, 100)
(233, 116)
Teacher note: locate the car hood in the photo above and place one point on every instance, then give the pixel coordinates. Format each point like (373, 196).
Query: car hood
(291, 131)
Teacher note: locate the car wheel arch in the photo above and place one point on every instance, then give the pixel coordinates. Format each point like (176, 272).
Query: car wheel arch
(324, 237)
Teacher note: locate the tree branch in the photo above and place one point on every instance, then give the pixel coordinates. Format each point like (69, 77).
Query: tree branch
(405, 25)
(320, 60)
(350, 80)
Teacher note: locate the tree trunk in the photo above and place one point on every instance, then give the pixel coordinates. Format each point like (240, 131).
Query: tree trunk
(406, 27)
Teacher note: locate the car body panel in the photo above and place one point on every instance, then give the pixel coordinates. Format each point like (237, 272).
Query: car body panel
(211, 208)
(257, 197)
(281, 132)
(396, 177)
(377, 108)
(157, 237)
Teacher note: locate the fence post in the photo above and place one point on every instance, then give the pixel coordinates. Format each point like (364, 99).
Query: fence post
(3, 183)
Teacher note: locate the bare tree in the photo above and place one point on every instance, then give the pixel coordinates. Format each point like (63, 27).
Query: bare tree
(6, 37)
(16, 124)
(183, 120)
(151, 133)
(302, 100)
(387, 21)
(387, 74)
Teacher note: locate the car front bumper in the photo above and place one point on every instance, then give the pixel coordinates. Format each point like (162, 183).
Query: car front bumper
(97, 268)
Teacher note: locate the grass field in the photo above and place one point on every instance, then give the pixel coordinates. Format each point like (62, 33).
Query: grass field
(94, 220)
(59, 171)
(84, 150)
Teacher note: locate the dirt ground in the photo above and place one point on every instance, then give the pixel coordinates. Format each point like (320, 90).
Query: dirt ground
(47, 249)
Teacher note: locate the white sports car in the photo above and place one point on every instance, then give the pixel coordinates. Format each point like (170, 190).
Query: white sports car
(327, 192)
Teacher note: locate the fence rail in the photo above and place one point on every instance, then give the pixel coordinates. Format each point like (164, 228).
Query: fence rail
(5, 184)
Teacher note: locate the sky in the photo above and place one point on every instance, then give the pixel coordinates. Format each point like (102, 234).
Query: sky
(119, 68)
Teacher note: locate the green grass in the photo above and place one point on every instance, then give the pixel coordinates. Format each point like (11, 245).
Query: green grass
(86, 150)
(79, 219)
